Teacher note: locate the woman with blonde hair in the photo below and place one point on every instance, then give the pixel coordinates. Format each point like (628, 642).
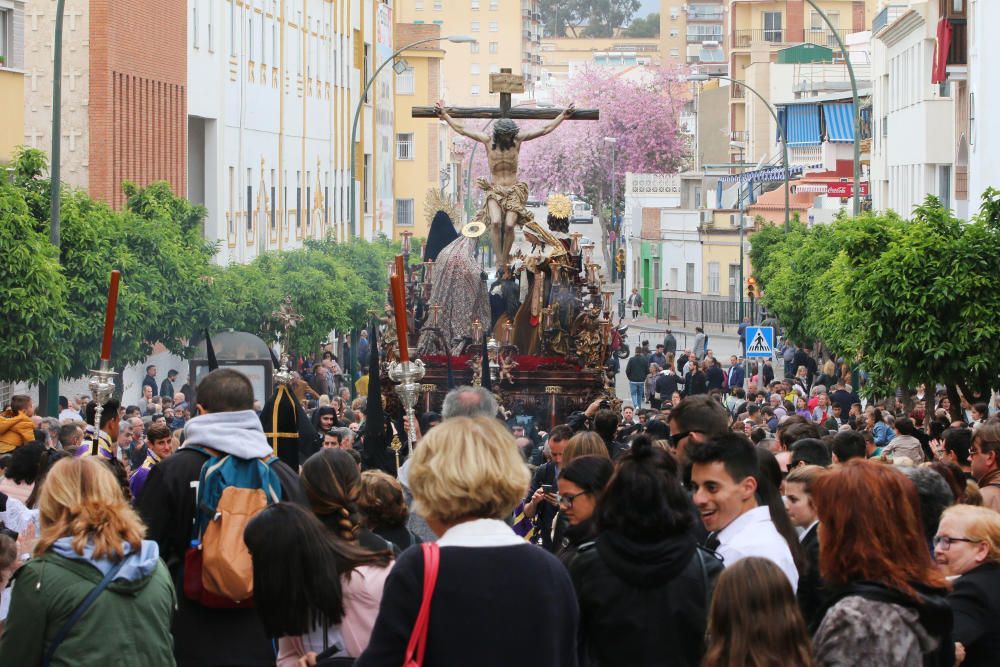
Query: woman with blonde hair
(91, 557)
(967, 546)
(774, 635)
(466, 477)
(584, 443)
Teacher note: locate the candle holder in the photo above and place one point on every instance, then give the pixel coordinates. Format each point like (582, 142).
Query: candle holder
(606, 296)
(282, 375)
(102, 385)
(508, 329)
(390, 269)
(435, 312)
(477, 331)
(588, 253)
(429, 270)
(574, 244)
(407, 376)
(406, 242)
(493, 351)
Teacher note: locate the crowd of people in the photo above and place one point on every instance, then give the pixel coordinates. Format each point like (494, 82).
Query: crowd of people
(736, 520)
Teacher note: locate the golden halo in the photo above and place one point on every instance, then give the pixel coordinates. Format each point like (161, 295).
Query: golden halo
(474, 229)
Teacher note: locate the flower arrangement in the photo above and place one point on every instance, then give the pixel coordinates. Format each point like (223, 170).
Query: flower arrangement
(559, 206)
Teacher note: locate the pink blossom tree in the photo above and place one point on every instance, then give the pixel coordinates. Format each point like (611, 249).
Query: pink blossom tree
(642, 113)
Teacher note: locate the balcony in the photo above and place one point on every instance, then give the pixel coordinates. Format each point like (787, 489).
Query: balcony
(525, 57)
(743, 38)
(699, 37)
(958, 50)
(739, 136)
(736, 92)
(703, 15)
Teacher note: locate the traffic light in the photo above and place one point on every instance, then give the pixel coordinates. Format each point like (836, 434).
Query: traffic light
(620, 260)
(751, 288)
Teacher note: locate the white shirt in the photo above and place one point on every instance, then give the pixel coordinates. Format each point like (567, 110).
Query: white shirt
(753, 534)
(480, 533)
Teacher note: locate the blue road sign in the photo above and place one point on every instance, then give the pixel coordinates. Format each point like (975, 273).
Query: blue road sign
(760, 342)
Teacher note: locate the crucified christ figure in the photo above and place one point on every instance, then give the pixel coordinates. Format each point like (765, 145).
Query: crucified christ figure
(505, 196)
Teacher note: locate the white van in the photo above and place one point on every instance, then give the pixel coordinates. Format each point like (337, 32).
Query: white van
(582, 212)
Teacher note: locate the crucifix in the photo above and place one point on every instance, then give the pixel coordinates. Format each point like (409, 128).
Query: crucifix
(506, 197)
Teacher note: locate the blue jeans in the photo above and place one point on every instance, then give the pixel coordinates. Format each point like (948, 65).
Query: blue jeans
(637, 389)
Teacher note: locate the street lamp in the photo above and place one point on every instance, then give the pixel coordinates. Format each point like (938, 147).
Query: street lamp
(774, 114)
(454, 39)
(857, 106)
(613, 141)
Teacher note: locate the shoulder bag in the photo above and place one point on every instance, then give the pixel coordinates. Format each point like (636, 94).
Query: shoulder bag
(418, 638)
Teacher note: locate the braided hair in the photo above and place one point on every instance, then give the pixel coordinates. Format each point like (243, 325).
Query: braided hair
(332, 484)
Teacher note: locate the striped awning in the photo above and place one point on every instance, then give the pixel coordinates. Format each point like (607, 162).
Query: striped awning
(768, 174)
(801, 124)
(839, 122)
(811, 188)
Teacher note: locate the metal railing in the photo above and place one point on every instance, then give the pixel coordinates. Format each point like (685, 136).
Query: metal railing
(684, 312)
(741, 136)
(743, 38)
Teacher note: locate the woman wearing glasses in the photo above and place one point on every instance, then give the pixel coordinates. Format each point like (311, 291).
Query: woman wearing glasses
(967, 546)
(887, 604)
(581, 483)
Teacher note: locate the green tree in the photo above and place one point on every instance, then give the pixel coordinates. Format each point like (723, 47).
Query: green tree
(32, 311)
(644, 27)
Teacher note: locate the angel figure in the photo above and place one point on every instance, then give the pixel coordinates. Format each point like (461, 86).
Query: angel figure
(507, 366)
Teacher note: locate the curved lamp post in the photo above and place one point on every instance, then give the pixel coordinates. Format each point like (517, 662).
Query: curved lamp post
(455, 39)
(774, 114)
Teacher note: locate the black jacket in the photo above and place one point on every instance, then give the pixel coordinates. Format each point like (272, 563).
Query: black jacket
(975, 601)
(626, 589)
(203, 637)
(809, 591)
(715, 378)
(637, 368)
(544, 474)
(695, 383)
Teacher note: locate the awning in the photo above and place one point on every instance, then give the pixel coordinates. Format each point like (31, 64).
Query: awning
(839, 122)
(768, 174)
(813, 188)
(801, 123)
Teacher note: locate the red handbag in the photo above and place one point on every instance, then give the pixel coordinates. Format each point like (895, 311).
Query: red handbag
(418, 638)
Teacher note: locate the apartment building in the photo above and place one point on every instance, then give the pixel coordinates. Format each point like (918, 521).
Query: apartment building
(274, 87)
(509, 34)
(124, 90)
(691, 33)
(11, 77)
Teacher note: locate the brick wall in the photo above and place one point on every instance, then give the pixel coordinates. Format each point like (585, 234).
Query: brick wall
(796, 20)
(138, 96)
(650, 224)
(858, 16)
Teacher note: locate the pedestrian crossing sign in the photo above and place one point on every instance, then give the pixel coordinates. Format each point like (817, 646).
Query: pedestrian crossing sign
(760, 342)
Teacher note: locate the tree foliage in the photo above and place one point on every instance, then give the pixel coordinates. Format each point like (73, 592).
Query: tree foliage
(644, 27)
(911, 301)
(586, 18)
(53, 310)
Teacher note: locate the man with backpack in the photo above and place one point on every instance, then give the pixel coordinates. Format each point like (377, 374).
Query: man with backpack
(224, 443)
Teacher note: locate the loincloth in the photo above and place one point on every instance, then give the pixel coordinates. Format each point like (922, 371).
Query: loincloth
(511, 198)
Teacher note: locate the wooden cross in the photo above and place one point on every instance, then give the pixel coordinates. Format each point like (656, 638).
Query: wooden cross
(506, 83)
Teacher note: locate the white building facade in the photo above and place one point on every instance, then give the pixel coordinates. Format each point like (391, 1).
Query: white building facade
(913, 147)
(273, 86)
(983, 136)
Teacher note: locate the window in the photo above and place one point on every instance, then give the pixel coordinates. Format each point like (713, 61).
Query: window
(493, 5)
(673, 278)
(232, 27)
(494, 47)
(366, 183)
(494, 68)
(404, 146)
(194, 26)
(298, 199)
(713, 277)
(474, 69)
(494, 26)
(250, 38)
(474, 47)
(689, 277)
(211, 32)
(231, 222)
(475, 26)
(772, 26)
(404, 212)
(674, 53)
(474, 91)
(437, 5)
(367, 68)
(405, 82)
(419, 6)
(944, 185)
(475, 5)
(274, 41)
(249, 204)
(817, 23)
(438, 22)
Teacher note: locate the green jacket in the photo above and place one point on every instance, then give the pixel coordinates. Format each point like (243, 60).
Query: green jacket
(128, 624)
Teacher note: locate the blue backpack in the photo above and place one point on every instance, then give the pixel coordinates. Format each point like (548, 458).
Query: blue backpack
(218, 570)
